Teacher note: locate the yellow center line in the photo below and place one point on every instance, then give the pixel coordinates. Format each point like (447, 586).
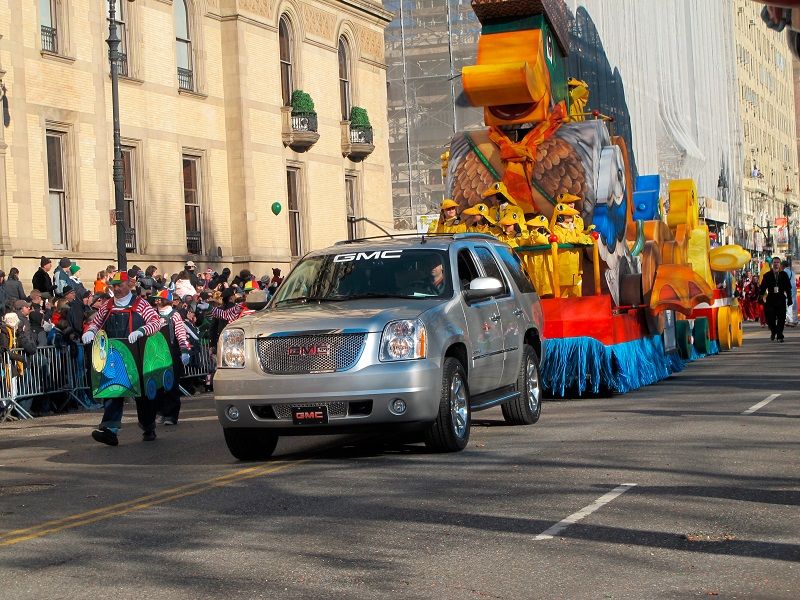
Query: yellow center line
(16, 536)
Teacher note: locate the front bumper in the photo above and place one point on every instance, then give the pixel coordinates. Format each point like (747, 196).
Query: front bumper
(417, 382)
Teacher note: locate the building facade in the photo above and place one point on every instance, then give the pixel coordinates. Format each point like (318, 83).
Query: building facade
(765, 80)
(217, 168)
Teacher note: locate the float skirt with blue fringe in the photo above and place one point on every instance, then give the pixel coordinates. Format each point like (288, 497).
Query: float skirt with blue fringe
(578, 365)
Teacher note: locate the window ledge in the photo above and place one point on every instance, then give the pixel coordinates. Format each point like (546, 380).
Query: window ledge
(58, 57)
(183, 92)
(129, 79)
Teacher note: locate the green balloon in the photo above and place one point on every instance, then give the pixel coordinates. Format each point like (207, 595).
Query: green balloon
(276, 208)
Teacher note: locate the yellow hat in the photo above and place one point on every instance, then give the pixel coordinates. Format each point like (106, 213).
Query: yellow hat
(448, 203)
(565, 209)
(507, 220)
(482, 210)
(567, 198)
(511, 215)
(539, 221)
(499, 188)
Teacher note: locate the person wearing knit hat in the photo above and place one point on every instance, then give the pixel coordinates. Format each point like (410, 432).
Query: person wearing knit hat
(13, 289)
(61, 276)
(168, 402)
(41, 279)
(75, 281)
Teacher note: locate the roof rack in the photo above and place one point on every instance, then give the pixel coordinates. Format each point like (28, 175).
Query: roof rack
(456, 236)
(473, 235)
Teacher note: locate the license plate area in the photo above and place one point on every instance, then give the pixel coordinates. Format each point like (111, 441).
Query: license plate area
(309, 415)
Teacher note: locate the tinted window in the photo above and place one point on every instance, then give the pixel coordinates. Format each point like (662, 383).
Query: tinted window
(350, 274)
(467, 271)
(490, 266)
(514, 266)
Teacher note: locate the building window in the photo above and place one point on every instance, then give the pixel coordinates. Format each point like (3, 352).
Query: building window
(191, 204)
(344, 79)
(128, 193)
(57, 189)
(183, 46)
(122, 32)
(295, 217)
(49, 25)
(285, 43)
(351, 200)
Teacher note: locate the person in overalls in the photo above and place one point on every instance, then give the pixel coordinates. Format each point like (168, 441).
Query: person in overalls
(168, 402)
(131, 317)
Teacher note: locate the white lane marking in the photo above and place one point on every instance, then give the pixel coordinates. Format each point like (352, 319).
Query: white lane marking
(584, 512)
(764, 402)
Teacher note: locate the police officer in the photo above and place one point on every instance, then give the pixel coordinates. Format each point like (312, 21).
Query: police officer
(776, 287)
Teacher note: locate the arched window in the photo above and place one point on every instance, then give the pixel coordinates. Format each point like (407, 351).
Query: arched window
(344, 78)
(285, 42)
(183, 46)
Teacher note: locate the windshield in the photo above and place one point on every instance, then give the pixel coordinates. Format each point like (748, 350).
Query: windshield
(349, 275)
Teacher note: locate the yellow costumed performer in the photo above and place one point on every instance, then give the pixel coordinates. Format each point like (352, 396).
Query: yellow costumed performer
(539, 264)
(570, 275)
(449, 221)
(512, 223)
(482, 220)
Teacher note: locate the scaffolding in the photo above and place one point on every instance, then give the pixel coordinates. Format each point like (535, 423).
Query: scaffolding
(675, 105)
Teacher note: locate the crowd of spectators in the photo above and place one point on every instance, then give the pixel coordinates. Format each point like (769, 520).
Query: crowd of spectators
(59, 306)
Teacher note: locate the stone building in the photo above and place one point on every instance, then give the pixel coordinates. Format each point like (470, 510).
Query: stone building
(767, 100)
(209, 142)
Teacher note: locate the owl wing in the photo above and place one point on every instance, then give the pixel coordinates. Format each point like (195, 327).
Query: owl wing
(467, 175)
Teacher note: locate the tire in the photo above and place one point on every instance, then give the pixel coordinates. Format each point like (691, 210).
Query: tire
(250, 444)
(724, 328)
(736, 326)
(683, 339)
(450, 431)
(700, 333)
(527, 407)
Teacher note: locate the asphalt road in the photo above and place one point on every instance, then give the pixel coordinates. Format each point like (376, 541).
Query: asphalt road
(713, 512)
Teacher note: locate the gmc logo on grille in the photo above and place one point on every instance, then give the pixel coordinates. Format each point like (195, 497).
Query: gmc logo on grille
(309, 414)
(312, 350)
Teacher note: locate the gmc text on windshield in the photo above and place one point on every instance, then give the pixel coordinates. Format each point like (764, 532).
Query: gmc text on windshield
(351, 256)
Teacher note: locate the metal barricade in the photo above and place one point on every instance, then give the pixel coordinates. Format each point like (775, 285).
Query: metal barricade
(202, 363)
(65, 370)
(50, 370)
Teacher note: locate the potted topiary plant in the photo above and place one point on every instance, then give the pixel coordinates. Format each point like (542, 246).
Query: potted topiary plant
(302, 103)
(360, 127)
(359, 118)
(304, 117)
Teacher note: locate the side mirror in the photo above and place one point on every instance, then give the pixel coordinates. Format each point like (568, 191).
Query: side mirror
(483, 287)
(256, 300)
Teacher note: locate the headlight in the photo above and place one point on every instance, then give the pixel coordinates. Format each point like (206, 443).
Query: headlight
(232, 348)
(403, 340)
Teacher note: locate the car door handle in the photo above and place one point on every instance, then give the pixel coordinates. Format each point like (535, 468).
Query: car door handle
(495, 317)
(518, 312)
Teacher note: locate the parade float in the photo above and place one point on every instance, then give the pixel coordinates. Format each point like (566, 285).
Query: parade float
(630, 284)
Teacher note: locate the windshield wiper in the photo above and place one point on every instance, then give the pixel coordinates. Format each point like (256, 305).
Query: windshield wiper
(369, 295)
(299, 299)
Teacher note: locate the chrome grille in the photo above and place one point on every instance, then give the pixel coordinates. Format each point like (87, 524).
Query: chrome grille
(335, 409)
(294, 355)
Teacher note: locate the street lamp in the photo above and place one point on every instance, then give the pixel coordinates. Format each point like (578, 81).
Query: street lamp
(119, 199)
(787, 212)
(767, 235)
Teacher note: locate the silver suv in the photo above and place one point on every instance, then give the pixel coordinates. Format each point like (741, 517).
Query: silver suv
(408, 333)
